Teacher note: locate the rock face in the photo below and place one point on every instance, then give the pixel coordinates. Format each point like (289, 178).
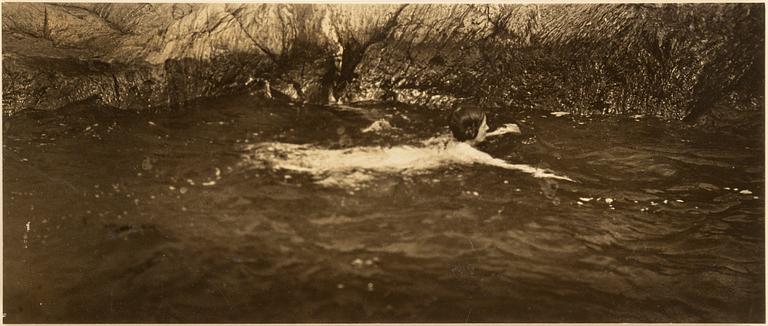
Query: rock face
(672, 60)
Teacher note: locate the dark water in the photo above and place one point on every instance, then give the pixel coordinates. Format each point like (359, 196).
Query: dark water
(120, 217)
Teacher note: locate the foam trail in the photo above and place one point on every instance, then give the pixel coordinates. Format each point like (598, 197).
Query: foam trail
(322, 162)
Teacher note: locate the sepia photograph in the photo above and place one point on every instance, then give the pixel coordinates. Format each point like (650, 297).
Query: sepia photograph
(407, 162)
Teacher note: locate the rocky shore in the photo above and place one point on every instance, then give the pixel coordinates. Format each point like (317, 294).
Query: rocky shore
(674, 61)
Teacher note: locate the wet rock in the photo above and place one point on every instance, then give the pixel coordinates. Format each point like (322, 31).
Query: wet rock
(70, 80)
(260, 88)
(378, 125)
(286, 91)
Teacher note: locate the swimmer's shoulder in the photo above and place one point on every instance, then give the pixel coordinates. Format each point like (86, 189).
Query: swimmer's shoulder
(465, 152)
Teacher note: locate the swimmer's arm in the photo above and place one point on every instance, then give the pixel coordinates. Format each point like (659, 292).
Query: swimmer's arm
(469, 153)
(536, 172)
(485, 158)
(509, 128)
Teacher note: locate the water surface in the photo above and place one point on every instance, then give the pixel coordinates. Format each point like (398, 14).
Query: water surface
(116, 216)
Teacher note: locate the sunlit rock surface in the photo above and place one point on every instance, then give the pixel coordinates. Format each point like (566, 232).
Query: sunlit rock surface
(669, 60)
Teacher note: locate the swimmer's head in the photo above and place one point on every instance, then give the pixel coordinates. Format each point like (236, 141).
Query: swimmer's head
(468, 123)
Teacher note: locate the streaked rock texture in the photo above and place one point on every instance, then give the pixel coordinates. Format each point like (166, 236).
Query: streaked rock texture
(673, 61)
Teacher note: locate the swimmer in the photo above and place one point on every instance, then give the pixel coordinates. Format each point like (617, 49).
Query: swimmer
(468, 126)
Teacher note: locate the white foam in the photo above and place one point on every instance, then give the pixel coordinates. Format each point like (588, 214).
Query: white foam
(353, 166)
(378, 125)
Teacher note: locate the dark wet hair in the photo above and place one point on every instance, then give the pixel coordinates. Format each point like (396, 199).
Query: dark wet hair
(465, 122)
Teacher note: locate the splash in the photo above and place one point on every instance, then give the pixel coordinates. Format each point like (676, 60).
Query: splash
(359, 165)
(378, 125)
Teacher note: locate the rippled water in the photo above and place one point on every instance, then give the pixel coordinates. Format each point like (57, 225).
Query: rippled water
(123, 217)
